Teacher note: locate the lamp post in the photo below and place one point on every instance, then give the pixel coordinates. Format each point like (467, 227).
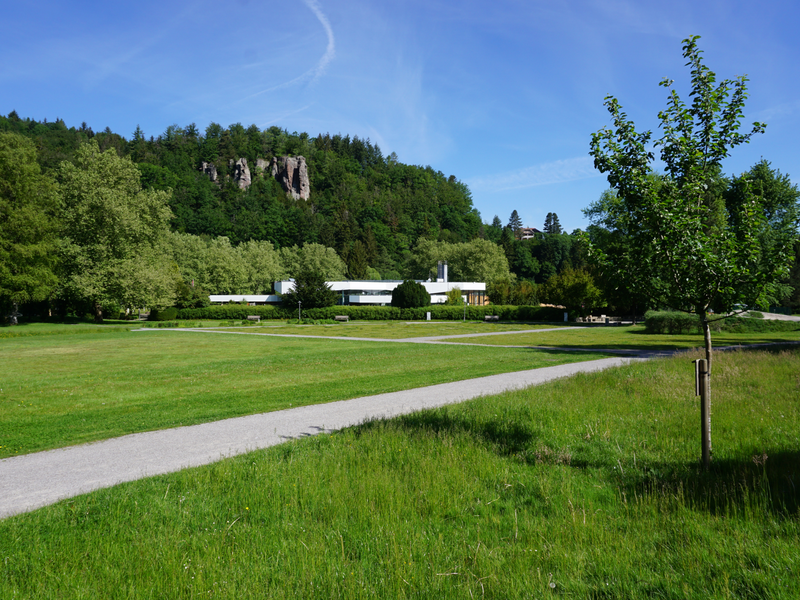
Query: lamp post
(299, 317)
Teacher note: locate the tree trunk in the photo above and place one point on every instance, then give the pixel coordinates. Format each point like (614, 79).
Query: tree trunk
(707, 341)
(98, 312)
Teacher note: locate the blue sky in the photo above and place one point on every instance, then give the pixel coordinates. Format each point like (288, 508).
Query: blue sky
(504, 95)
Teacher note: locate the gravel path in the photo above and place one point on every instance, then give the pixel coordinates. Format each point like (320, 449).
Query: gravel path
(35, 480)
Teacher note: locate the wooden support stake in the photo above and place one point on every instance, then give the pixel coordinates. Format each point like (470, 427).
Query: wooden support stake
(701, 389)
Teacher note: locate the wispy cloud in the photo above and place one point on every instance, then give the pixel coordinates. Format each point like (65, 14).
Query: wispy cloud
(330, 50)
(319, 69)
(559, 171)
(777, 112)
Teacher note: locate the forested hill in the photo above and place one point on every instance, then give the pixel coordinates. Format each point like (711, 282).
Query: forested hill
(371, 208)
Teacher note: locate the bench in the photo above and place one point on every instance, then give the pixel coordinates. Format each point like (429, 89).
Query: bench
(491, 318)
(343, 318)
(255, 318)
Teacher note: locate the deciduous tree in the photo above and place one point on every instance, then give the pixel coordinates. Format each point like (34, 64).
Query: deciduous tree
(574, 289)
(28, 203)
(684, 247)
(115, 235)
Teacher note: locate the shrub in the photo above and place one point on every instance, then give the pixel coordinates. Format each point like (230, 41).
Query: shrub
(167, 314)
(669, 321)
(410, 294)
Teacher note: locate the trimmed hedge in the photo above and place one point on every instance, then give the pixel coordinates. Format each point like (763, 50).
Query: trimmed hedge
(438, 312)
(677, 322)
(668, 321)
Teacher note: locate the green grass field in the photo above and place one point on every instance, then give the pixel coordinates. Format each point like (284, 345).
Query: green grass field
(587, 487)
(385, 329)
(62, 385)
(629, 337)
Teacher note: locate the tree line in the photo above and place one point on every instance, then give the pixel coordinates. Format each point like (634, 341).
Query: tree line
(95, 222)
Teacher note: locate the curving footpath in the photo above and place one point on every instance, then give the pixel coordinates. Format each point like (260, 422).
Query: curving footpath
(35, 480)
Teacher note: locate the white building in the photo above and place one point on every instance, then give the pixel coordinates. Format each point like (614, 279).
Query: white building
(367, 292)
(371, 291)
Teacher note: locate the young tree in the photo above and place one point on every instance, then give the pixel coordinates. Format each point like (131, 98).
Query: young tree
(683, 247)
(28, 202)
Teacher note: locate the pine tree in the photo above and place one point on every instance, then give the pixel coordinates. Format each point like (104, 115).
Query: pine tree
(551, 224)
(515, 222)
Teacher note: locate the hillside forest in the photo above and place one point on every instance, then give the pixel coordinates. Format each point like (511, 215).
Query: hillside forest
(97, 222)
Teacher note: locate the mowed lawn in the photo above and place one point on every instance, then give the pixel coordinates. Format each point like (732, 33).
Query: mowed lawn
(62, 385)
(398, 329)
(586, 487)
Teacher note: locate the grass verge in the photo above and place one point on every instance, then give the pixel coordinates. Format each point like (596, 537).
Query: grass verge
(587, 487)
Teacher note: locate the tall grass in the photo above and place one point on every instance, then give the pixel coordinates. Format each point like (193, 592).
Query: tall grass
(588, 487)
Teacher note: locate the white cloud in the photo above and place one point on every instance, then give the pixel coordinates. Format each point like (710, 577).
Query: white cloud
(330, 50)
(559, 171)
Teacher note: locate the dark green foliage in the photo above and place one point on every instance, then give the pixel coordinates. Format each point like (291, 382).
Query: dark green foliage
(754, 325)
(188, 296)
(573, 289)
(516, 293)
(311, 291)
(167, 314)
(410, 294)
(235, 311)
(667, 321)
(377, 313)
(551, 224)
(28, 225)
(515, 222)
(357, 194)
(793, 281)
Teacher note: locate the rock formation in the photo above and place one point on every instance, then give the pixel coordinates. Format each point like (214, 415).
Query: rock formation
(241, 173)
(210, 169)
(292, 173)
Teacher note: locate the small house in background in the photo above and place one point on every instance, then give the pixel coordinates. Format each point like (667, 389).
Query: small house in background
(528, 233)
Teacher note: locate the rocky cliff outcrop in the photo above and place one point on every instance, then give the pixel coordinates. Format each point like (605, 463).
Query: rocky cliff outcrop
(210, 169)
(290, 171)
(241, 173)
